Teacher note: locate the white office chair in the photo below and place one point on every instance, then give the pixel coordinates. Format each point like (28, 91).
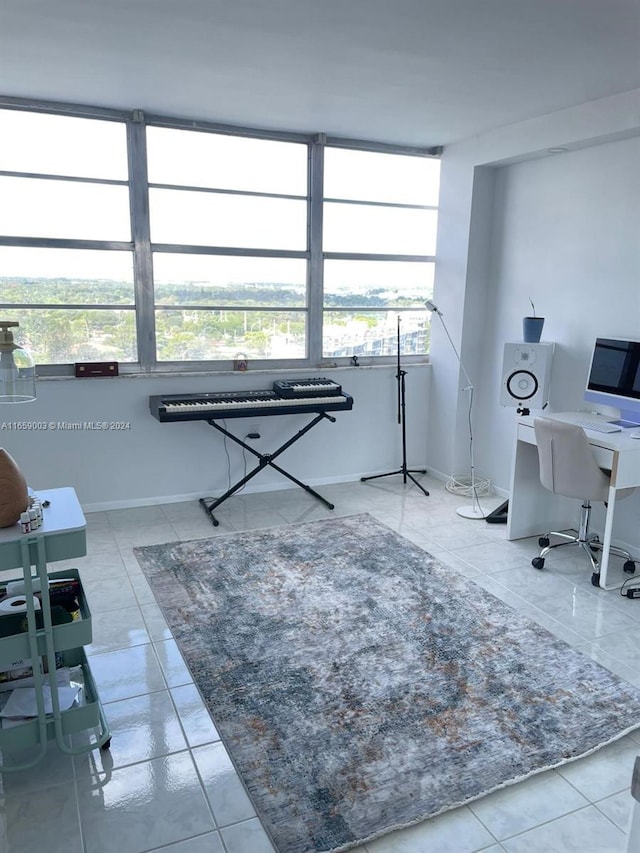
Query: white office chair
(568, 467)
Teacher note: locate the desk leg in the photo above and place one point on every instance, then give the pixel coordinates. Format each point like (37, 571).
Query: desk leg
(606, 542)
(533, 510)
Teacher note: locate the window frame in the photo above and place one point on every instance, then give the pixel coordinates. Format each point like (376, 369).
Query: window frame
(142, 248)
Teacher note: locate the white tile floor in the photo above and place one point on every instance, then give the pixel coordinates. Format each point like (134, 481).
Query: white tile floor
(167, 782)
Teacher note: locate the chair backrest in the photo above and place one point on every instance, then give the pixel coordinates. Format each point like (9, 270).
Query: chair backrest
(567, 464)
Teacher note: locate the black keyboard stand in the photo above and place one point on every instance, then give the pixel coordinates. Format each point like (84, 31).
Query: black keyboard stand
(265, 459)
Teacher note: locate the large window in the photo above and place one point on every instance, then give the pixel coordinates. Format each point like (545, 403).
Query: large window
(379, 240)
(66, 260)
(211, 195)
(169, 245)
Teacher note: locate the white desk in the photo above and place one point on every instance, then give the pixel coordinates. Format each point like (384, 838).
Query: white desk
(533, 510)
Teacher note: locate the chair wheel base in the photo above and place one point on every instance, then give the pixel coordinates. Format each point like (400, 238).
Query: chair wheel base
(629, 567)
(543, 541)
(538, 562)
(595, 579)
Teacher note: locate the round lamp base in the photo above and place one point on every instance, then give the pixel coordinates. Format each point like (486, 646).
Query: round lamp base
(472, 512)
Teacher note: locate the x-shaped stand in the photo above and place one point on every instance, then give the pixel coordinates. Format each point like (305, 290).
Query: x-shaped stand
(264, 460)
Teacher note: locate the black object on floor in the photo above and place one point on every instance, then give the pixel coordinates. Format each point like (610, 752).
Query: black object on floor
(499, 514)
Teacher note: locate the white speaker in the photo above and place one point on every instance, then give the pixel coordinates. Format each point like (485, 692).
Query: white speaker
(526, 375)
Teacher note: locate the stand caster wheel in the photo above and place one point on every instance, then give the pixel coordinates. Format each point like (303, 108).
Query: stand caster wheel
(543, 541)
(106, 744)
(538, 562)
(595, 579)
(629, 567)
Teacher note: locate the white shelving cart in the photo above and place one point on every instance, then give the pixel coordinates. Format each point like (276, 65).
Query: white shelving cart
(62, 536)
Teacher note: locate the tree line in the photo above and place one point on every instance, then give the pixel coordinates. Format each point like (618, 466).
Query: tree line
(257, 313)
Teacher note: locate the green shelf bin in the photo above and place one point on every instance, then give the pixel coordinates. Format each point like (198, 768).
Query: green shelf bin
(68, 635)
(77, 718)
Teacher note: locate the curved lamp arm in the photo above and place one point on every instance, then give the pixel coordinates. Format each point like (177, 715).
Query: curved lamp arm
(429, 304)
(475, 510)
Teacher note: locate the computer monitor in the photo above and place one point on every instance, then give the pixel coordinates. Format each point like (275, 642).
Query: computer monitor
(614, 378)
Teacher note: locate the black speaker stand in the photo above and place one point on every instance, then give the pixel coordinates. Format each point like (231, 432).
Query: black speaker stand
(404, 470)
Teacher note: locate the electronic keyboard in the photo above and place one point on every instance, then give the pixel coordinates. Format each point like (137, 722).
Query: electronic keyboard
(295, 388)
(241, 404)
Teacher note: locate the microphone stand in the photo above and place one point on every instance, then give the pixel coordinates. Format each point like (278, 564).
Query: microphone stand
(475, 510)
(404, 470)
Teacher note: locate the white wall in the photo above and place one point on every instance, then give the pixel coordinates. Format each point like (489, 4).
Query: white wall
(466, 254)
(566, 233)
(519, 222)
(153, 462)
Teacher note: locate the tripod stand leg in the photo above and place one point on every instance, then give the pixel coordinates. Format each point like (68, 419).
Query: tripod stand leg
(413, 480)
(377, 476)
(406, 472)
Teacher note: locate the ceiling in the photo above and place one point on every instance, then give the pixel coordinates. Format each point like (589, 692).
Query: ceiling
(417, 72)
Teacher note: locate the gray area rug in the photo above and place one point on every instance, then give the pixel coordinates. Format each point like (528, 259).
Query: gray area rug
(361, 686)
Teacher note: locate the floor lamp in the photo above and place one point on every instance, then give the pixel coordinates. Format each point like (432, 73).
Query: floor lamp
(474, 510)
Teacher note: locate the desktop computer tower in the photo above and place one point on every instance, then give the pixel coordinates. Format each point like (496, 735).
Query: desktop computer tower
(526, 375)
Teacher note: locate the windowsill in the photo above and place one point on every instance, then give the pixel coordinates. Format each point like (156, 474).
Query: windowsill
(166, 374)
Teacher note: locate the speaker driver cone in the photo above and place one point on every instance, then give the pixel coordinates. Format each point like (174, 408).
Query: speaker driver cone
(522, 385)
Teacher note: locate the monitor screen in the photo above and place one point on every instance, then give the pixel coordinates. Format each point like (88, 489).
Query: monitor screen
(614, 376)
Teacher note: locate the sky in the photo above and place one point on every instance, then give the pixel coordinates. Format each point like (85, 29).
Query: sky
(78, 147)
